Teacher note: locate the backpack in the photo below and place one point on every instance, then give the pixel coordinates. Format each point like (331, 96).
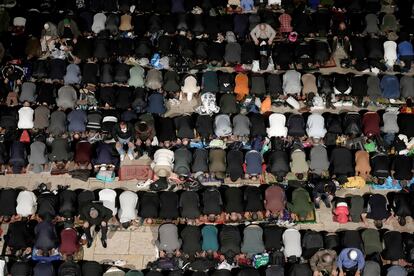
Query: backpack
(352, 124)
(69, 268)
(296, 125)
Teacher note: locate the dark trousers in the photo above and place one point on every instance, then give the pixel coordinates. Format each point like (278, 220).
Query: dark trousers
(104, 231)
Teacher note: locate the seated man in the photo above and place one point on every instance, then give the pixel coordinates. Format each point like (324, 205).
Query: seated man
(253, 203)
(189, 206)
(124, 135)
(324, 189)
(149, 206)
(168, 241)
(301, 205)
(46, 239)
(98, 215)
(128, 208)
(233, 199)
(212, 205)
(275, 201)
(376, 210)
(323, 263)
(263, 32)
(350, 261)
(191, 239)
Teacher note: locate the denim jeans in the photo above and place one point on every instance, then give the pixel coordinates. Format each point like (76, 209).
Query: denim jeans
(124, 142)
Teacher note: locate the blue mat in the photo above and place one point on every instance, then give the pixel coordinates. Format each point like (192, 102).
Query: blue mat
(388, 185)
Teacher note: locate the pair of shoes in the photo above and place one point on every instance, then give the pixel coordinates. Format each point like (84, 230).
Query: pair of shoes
(131, 156)
(122, 157)
(104, 244)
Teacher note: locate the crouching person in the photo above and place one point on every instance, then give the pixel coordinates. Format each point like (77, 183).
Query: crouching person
(98, 215)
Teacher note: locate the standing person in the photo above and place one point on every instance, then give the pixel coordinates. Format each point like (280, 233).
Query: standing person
(350, 262)
(124, 134)
(98, 215)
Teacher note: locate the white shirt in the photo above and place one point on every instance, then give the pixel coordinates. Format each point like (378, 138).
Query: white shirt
(26, 204)
(390, 53)
(277, 126)
(292, 243)
(128, 206)
(25, 118)
(108, 196)
(164, 157)
(315, 126)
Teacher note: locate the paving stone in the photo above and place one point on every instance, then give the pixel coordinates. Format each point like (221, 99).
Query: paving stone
(142, 243)
(118, 243)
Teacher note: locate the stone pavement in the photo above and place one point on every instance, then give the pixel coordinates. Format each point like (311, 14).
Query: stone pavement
(136, 247)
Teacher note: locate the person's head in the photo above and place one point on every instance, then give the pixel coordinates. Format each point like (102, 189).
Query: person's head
(123, 126)
(26, 104)
(262, 26)
(93, 213)
(279, 178)
(342, 26)
(299, 176)
(404, 183)
(353, 254)
(211, 218)
(402, 221)
(66, 22)
(378, 223)
(46, 26)
(210, 254)
(328, 189)
(327, 258)
(60, 165)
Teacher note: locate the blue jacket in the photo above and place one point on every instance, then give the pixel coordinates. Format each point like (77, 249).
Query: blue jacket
(390, 87)
(405, 48)
(344, 261)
